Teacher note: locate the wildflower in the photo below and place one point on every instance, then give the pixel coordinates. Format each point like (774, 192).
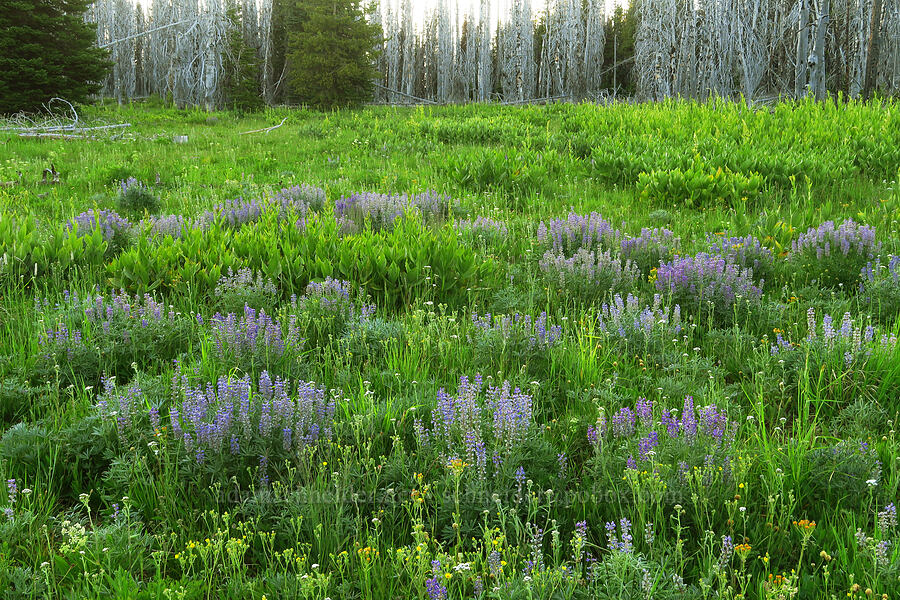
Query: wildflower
(887, 518)
(436, 590)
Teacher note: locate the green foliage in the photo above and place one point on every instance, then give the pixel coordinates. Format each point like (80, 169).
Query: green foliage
(697, 187)
(331, 53)
(365, 514)
(516, 175)
(47, 51)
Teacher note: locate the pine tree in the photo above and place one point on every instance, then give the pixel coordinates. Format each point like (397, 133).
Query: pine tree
(331, 53)
(46, 51)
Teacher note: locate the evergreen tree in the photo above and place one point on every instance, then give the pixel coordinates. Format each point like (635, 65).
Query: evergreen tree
(331, 52)
(242, 73)
(47, 50)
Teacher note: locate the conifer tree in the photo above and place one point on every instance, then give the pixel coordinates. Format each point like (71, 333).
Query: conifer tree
(46, 51)
(331, 53)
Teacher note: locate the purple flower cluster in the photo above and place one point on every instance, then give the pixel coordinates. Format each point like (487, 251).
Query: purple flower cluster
(130, 184)
(230, 417)
(577, 232)
(245, 286)
(479, 423)
(233, 213)
(624, 542)
(536, 333)
(301, 198)
(747, 252)
(629, 319)
(834, 255)
(96, 315)
(113, 227)
(847, 238)
(709, 426)
(331, 297)
(483, 226)
(380, 211)
(166, 225)
(254, 335)
(436, 588)
(694, 281)
(846, 337)
(891, 270)
(589, 273)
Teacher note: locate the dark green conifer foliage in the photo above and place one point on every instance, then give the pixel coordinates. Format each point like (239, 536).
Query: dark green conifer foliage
(46, 51)
(331, 52)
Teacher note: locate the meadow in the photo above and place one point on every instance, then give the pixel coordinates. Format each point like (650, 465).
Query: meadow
(564, 351)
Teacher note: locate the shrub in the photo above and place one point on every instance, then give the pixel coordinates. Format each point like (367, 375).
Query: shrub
(576, 232)
(165, 225)
(682, 452)
(252, 340)
(89, 335)
(650, 248)
(115, 229)
(381, 211)
(136, 198)
(483, 232)
(328, 308)
(636, 325)
(708, 283)
(482, 427)
(697, 187)
(245, 288)
(834, 255)
(746, 252)
(589, 275)
(303, 195)
(230, 425)
(880, 289)
(515, 340)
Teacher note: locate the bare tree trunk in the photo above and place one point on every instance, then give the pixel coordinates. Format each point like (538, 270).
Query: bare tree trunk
(800, 88)
(873, 50)
(817, 76)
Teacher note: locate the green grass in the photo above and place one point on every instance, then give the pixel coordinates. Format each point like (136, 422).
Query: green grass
(355, 500)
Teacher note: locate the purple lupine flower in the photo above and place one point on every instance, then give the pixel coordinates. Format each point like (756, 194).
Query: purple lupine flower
(562, 460)
(111, 225)
(623, 422)
(725, 553)
(747, 252)
(494, 563)
(634, 322)
(883, 553)
(649, 248)
(11, 490)
(643, 408)
(581, 529)
(647, 445)
(649, 534)
(381, 211)
(887, 518)
(689, 420)
(483, 228)
(695, 281)
(589, 273)
(588, 232)
(670, 422)
(625, 545)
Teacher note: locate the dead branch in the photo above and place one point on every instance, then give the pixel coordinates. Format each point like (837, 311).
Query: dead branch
(267, 129)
